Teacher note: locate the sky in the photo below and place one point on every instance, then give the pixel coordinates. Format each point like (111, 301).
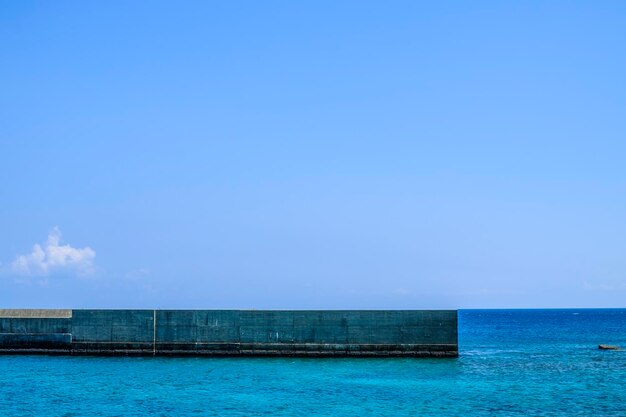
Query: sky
(312, 155)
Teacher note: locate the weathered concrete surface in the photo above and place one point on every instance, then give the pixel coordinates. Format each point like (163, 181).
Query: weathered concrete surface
(113, 332)
(47, 331)
(35, 313)
(232, 332)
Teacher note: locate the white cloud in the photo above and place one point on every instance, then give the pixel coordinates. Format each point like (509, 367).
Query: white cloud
(53, 257)
(401, 291)
(137, 273)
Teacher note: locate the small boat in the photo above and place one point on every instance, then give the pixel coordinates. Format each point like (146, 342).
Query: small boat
(608, 347)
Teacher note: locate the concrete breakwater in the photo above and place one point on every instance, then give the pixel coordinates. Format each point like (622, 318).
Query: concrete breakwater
(312, 333)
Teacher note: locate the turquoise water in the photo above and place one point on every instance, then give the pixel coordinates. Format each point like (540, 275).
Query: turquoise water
(518, 362)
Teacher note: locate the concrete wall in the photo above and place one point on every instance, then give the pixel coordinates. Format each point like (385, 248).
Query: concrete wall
(35, 330)
(113, 331)
(230, 332)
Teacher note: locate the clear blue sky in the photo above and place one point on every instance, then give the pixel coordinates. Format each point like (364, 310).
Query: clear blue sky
(313, 154)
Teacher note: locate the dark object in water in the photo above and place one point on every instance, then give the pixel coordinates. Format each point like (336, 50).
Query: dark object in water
(608, 347)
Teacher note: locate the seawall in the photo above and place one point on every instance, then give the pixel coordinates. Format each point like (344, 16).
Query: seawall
(313, 333)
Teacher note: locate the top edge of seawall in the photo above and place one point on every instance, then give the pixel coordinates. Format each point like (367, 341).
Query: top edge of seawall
(35, 313)
(67, 313)
(258, 309)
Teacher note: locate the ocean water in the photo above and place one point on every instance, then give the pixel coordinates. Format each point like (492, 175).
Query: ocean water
(512, 363)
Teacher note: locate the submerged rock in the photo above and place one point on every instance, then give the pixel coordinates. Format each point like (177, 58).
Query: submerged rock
(608, 347)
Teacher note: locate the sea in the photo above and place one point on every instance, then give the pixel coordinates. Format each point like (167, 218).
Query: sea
(511, 363)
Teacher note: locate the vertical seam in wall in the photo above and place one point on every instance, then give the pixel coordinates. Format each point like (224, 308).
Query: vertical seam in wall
(238, 315)
(153, 332)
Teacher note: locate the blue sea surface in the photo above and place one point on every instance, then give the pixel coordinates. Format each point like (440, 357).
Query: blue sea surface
(512, 362)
